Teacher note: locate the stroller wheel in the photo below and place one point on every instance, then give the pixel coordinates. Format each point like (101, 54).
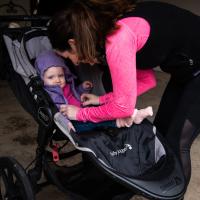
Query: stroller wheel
(14, 183)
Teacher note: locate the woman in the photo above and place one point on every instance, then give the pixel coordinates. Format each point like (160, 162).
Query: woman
(154, 34)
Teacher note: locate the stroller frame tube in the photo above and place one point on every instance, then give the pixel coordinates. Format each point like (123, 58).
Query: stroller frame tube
(24, 18)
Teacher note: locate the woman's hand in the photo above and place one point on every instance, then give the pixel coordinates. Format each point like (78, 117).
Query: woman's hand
(89, 99)
(124, 122)
(69, 111)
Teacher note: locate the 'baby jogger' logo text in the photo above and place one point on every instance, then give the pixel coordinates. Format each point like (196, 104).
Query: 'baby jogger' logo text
(121, 151)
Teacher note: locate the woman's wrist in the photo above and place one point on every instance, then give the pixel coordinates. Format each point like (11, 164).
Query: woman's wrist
(98, 100)
(79, 115)
(102, 100)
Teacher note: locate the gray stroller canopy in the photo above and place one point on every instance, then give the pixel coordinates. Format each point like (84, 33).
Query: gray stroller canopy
(21, 52)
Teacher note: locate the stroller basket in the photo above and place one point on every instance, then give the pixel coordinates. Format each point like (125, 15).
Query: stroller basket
(109, 150)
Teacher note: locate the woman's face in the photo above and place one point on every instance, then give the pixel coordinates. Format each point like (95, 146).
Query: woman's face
(73, 55)
(70, 54)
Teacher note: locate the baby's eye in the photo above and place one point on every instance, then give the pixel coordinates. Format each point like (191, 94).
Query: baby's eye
(50, 77)
(61, 75)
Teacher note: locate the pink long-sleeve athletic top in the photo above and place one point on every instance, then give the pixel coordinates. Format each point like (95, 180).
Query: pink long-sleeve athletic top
(128, 82)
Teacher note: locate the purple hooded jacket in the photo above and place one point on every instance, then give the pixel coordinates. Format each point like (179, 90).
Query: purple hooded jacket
(50, 59)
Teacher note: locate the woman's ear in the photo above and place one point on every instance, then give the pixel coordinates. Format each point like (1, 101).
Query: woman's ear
(72, 44)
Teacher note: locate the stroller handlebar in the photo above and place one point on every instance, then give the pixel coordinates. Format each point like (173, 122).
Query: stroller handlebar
(5, 18)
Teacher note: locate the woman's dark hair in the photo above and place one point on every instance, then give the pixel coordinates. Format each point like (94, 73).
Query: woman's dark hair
(88, 22)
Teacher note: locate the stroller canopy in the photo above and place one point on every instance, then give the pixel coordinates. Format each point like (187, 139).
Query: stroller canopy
(25, 49)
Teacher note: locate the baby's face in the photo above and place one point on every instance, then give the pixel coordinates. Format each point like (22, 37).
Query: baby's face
(54, 76)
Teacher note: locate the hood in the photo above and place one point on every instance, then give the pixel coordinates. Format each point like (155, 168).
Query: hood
(49, 59)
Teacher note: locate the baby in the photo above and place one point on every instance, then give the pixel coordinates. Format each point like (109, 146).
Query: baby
(59, 82)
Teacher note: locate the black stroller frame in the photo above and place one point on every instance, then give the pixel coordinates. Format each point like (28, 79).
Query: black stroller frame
(84, 180)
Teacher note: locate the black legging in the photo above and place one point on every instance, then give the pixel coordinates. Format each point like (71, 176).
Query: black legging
(178, 118)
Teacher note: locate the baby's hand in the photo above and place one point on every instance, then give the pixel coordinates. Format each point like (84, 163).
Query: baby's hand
(87, 85)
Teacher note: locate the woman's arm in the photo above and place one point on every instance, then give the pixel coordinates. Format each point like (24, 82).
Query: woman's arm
(105, 98)
(146, 80)
(121, 62)
(121, 50)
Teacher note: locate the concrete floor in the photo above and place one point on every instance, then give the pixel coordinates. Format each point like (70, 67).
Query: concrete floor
(18, 133)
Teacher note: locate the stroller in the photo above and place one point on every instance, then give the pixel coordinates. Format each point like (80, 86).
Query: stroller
(96, 176)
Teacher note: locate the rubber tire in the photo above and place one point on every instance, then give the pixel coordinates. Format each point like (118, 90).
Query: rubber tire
(11, 165)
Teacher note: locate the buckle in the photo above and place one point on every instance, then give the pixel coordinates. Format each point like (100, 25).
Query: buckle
(55, 153)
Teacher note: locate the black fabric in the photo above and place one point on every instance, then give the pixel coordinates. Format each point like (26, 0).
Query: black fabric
(84, 181)
(22, 93)
(174, 31)
(95, 185)
(106, 79)
(49, 8)
(126, 151)
(178, 118)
